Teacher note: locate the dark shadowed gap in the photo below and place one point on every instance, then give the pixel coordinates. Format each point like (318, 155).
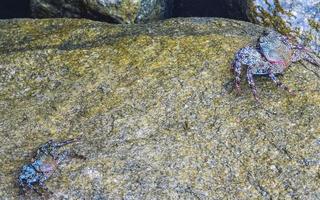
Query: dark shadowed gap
(14, 9)
(210, 8)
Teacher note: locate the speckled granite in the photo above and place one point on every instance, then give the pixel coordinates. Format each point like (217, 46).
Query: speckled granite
(156, 109)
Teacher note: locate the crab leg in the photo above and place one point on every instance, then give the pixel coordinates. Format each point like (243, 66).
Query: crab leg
(310, 57)
(35, 189)
(62, 156)
(60, 144)
(22, 190)
(43, 186)
(302, 53)
(279, 83)
(237, 70)
(252, 84)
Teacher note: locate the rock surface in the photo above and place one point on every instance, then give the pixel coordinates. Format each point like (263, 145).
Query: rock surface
(118, 11)
(156, 110)
(295, 17)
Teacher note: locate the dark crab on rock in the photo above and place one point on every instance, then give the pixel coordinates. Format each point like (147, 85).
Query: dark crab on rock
(272, 55)
(45, 162)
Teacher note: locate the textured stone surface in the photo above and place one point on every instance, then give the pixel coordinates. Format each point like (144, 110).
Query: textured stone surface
(119, 11)
(294, 17)
(155, 107)
(56, 8)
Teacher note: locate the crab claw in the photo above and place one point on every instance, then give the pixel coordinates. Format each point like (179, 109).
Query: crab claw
(292, 92)
(308, 55)
(313, 58)
(66, 142)
(238, 90)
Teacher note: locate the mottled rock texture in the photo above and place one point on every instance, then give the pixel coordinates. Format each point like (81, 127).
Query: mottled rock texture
(292, 17)
(117, 11)
(156, 110)
(56, 8)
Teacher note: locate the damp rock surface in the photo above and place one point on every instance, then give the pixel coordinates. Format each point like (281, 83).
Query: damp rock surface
(155, 108)
(299, 18)
(116, 11)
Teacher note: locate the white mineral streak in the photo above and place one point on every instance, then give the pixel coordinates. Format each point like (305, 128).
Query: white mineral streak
(108, 2)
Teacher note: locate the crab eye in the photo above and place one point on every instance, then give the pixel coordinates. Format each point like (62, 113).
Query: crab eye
(300, 47)
(262, 39)
(266, 32)
(285, 40)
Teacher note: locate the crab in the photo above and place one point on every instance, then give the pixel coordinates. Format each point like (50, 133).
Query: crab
(271, 56)
(45, 162)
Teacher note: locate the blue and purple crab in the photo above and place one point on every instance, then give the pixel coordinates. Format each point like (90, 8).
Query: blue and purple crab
(45, 162)
(272, 55)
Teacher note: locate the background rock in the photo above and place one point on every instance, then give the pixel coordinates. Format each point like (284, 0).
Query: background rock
(56, 8)
(155, 107)
(295, 17)
(119, 11)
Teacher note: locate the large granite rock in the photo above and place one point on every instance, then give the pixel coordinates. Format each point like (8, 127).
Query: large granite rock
(118, 11)
(295, 17)
(155, 107)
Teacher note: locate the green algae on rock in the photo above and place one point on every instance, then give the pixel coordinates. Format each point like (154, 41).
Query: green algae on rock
(155, 106)
(118, 11)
